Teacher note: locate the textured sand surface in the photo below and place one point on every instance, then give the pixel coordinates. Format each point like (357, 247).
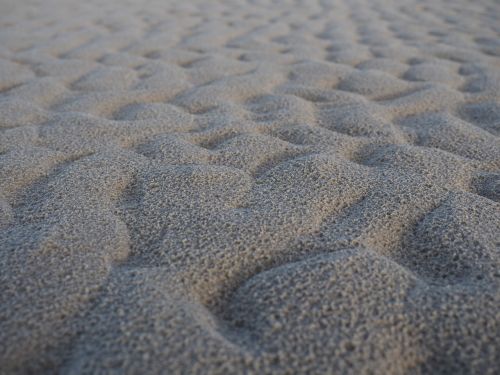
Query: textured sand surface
(225, 187)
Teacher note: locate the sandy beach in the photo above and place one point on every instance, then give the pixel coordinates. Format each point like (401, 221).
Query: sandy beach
(250, 187)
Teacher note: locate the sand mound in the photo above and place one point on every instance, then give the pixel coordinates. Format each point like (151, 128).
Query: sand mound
(258, 187)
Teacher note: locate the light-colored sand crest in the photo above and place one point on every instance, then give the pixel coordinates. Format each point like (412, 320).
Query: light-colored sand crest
(249, 187)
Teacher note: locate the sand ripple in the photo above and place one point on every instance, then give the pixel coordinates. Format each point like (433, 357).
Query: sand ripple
(249, 187)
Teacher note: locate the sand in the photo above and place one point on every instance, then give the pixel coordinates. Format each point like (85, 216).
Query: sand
(249, 187)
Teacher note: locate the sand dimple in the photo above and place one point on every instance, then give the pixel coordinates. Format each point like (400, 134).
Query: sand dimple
(261, 187)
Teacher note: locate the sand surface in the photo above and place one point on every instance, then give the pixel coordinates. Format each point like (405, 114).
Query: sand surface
(249, 187)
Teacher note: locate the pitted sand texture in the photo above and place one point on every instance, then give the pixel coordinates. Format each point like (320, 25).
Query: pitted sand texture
(249, 187)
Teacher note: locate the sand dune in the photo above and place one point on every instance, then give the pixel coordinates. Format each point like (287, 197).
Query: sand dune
(226, 187)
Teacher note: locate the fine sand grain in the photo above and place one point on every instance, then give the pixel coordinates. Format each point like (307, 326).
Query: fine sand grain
(249, 187)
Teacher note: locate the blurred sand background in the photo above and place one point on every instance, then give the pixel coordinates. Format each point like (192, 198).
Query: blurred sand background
(249, 187)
